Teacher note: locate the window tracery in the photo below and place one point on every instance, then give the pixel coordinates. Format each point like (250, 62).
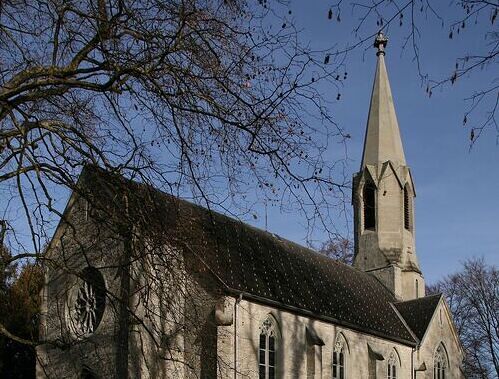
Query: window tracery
(267, 349)
(392, 366)
(87, 303)
(440, 363)
(339, 361)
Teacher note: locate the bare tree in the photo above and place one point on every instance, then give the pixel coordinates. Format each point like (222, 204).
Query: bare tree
(455, 18)
(473, 297)
(216, 101)
(202, 99)
(340, 250)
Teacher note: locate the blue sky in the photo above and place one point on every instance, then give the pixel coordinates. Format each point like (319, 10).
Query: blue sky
(457, 198)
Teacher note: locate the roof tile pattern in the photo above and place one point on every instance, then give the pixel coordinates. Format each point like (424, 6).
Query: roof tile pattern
(257, 263)
(418, 313)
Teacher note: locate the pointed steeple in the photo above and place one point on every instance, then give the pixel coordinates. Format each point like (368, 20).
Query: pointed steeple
(382, 141)
(383, 197)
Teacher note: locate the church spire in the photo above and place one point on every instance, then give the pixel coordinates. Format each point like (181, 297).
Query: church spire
(382, 142)
(383, 197)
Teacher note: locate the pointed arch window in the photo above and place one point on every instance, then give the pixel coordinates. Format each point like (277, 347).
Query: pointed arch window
(407, 208)
(440, 363)
(392, 366)
(267, 357)
(369, 198)
(339, 358)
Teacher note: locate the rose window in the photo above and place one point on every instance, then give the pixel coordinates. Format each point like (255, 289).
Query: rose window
(87, 304)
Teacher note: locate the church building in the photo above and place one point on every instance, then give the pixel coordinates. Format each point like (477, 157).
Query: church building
(142, 284)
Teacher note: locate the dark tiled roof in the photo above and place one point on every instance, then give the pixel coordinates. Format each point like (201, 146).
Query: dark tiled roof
(418, 313)
(265, 267)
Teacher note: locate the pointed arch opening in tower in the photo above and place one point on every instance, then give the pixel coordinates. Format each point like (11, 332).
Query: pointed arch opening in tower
(369, 198)
(407, 208)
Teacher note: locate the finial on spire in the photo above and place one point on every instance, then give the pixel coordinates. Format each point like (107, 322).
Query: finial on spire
(380, 43)
(382, 142)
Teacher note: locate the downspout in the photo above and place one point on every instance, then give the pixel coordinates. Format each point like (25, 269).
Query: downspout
(238, 300)
(413, 372)
(422, 366)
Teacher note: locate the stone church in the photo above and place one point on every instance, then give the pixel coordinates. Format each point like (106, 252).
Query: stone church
(141, 284)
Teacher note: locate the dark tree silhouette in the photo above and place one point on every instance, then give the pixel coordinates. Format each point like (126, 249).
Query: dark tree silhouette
(473, 298)
(19, 310)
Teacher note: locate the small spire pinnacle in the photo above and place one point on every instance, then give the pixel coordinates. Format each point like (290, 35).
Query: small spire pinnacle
(382, 142)
(380, 43)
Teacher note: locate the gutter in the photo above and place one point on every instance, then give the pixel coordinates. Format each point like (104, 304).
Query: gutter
(238, 294)
(307, 313)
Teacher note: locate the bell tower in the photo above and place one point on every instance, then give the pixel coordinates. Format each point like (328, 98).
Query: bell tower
(383, 196)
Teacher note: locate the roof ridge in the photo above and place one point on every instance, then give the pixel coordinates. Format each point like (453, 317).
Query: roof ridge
(418, 313)
(419, 298)
(404, 321)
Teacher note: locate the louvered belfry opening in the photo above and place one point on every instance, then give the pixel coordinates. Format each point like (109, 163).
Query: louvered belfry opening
(407, 209)
(369, 197)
